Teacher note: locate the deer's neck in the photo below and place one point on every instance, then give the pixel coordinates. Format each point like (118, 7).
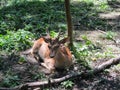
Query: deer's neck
(61, 59)
(59, 54)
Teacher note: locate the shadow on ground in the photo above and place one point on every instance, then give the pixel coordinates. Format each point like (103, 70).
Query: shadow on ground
(98, 82)
(114, 4)
(35, 16)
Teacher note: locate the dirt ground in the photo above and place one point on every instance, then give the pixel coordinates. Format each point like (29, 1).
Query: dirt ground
(108, 80)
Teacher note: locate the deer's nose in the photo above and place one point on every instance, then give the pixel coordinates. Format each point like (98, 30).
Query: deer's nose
(52, 55)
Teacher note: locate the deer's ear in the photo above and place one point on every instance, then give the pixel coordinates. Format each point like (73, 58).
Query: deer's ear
(64, 40)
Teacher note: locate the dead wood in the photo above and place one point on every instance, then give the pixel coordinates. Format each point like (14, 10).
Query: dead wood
(73, 75)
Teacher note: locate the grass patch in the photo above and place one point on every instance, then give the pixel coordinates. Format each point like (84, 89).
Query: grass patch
(16, 41)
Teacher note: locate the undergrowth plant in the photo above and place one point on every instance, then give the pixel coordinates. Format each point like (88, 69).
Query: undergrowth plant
(87, 51)
(85, 14)
(32, 15)
(16, 41)
(67, 84)
(109, 35)
(83, 50)
(38, 76)
(10, 80)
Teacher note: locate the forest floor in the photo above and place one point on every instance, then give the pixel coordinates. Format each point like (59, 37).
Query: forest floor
(109, 79)
(15, 71)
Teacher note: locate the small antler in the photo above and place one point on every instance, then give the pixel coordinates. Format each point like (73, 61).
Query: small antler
(60, 33)
(48, 33)
(47, 38)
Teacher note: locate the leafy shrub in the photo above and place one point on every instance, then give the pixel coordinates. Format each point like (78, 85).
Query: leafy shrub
(40, 76)
(86, 13)
(30, 15)
(67, 84)
(10, 80)
(109, 35)
(19, 40)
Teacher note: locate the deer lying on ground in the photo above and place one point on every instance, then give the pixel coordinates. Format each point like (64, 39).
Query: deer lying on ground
(40, 50)
(53, 52)
(60, 53)
(40, 47)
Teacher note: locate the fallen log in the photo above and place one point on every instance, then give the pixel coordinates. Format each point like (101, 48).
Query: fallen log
(73, 75)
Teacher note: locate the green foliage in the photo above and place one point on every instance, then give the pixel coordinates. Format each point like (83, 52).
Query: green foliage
(87, 41)
(83, 50)
(32, 15)
(109, 35)
(36, 15)
(85, 13)
(117, 68)
(67, 84)
(19, 40)
(40, 76)
(53, 34)
(10, 80)
(87, 51)
(99, 55)
(98, 5)
(114, 69)
(21, 60)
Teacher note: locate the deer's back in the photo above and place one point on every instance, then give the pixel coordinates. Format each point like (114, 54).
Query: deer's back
(63, 58)
(37, 44)
(44, 51)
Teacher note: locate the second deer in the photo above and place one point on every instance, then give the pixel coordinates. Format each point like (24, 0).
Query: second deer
(60, 53)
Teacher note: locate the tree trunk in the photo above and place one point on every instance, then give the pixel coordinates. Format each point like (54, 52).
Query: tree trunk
(69, 22)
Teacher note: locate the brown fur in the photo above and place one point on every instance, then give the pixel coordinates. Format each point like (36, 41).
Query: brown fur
(62, 58)
(61, 54)
(41, 48)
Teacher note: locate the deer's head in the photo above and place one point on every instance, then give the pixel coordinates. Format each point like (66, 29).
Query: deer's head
(55, 44)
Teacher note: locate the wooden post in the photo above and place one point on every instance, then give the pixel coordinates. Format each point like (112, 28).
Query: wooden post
(69, 22)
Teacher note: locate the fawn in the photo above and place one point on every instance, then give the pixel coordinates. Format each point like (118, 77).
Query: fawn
(60, 53)
(40, 50)
(53, 52)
